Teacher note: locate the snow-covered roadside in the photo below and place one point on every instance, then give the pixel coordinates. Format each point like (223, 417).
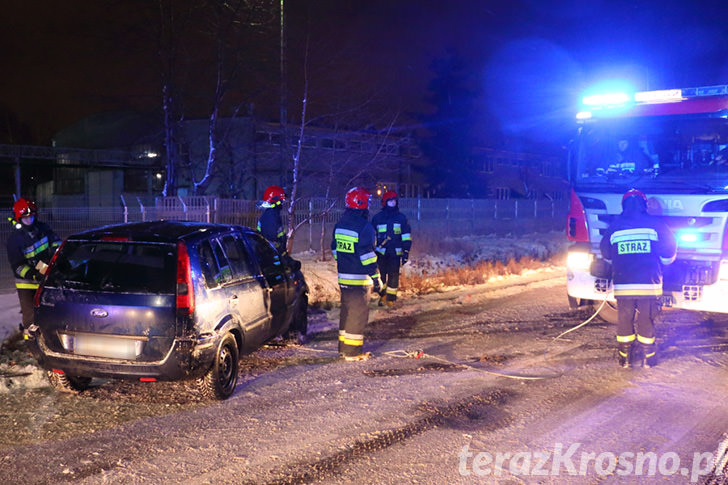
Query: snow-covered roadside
(19, 372)
(9, 314)
(548, 247)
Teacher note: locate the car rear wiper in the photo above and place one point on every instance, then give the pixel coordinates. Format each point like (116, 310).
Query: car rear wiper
(74, 285)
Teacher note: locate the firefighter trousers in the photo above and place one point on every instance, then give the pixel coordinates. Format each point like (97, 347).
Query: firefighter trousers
(353, 319)
(641, 327)
(25, 297)
(389, 270)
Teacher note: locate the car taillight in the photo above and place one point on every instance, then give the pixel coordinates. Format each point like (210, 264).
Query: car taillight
(36, 297)
(185, 295)
(576, 227)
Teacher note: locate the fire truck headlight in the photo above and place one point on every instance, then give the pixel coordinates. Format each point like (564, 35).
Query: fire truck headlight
(688, 237)
(579, 261)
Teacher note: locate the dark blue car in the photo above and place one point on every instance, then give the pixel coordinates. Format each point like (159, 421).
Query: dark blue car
(164, 301)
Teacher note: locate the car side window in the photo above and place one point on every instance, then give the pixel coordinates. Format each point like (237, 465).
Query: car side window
(208, 264)
(234, 249)
(269, 259)
(225, 274)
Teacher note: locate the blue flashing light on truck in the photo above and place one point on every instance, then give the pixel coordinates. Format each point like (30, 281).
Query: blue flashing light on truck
(673, 146)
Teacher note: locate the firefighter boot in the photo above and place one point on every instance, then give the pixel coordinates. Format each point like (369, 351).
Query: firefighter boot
(624, 352)
(382, 299)
(358, 358)
(649, 356)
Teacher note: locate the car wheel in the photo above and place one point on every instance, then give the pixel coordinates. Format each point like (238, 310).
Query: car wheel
(219, 382)
(69, 384)
(300, 321)
(296, 334)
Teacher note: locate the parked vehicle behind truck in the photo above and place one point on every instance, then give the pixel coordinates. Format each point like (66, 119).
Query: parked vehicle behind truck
(673, 146)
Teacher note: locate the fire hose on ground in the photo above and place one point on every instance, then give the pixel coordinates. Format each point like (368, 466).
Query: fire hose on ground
(420, 354)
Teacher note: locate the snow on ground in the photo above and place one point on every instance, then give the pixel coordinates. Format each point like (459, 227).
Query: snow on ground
(16, 372)
(452, 253)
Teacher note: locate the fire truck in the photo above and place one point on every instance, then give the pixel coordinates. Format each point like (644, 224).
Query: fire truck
(673, 146)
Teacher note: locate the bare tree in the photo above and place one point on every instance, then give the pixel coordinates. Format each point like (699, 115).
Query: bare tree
(340, 171)
(343, 106)
(230, 25)
(188, 32)
(173, 22)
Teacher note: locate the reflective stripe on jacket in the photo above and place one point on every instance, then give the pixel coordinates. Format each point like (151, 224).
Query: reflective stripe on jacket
(353, 249)
(638, 245)
(27, 246)
(394, 236)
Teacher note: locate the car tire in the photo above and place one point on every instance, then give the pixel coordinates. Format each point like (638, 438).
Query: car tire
(300, 321)
(220, 381)
(68, 384)
(296, 334)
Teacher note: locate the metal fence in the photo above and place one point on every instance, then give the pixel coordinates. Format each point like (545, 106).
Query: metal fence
(314, 218)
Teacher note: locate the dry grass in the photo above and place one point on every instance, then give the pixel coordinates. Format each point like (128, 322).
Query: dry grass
(438, 262)
(476, 274)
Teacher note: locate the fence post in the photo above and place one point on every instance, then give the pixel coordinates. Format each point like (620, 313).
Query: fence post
(515, 209)
(310, 223)
(126, 209)
(141, 207)
(535, 208)
(495, 209)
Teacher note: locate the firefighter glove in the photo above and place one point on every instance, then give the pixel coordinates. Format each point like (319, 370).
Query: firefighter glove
(35, 275)
(405, 257)
(377, 284)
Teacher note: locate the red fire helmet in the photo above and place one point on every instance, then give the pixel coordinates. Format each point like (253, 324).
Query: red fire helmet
(24, 208)
(357, 198)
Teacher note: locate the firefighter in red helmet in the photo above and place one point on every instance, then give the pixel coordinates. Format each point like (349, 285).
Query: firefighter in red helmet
(270, 223)
(394, 241)
(356, 261)
(637, 245)
(30, 248)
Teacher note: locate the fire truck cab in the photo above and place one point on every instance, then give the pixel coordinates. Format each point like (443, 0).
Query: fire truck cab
(673, 146)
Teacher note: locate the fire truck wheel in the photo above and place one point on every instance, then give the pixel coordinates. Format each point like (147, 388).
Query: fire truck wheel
(608, 313)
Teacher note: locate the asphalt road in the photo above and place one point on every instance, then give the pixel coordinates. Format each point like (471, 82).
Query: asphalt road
(494, 397)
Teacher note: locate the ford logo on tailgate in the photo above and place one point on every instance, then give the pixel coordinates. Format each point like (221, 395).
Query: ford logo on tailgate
(99, 313)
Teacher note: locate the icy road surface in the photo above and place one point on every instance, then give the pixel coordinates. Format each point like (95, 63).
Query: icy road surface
(493, 399)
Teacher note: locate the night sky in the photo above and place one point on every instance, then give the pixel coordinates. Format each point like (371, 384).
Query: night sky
(529, 59)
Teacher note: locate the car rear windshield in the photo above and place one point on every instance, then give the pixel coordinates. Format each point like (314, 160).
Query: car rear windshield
(122, 267)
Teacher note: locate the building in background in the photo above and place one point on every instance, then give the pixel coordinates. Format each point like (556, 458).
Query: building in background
(110, 156)
(509, 174)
